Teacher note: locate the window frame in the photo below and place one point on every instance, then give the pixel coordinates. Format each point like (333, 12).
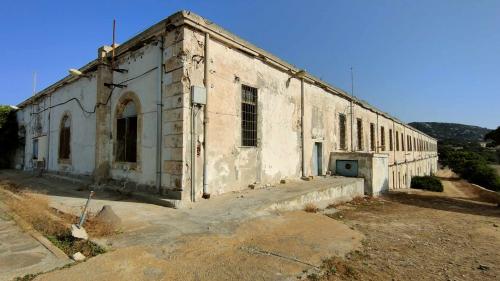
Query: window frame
(249, 108)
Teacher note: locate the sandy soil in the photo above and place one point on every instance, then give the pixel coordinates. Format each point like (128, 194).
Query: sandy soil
(423, 236)
(274, 248)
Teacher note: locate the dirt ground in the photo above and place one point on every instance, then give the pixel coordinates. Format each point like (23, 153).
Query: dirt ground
(423, 236)
(405, 235)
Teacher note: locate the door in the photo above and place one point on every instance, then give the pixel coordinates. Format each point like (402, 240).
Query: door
(317, 167)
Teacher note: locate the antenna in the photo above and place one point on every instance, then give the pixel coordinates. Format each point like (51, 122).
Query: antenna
(352, 109)
(34, 82)
(113, 45)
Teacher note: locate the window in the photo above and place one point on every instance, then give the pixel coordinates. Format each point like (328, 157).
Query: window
(382, 138)
(391, 147)
(372, 136)
(65, 138)
(35, 149)
(360, 133)
(402, 142)
(126, 134)
(342, 130)
(397, 141)
(248, 116)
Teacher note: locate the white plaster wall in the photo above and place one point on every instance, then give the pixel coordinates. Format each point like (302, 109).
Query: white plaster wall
(82, 141)
(146, 90)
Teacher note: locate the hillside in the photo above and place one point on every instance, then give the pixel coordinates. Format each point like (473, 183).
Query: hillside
(451, 131)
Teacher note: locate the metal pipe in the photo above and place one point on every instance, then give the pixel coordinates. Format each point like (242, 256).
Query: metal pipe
(84, 212)
(303, 140)
(352, 109)
(206, 81)
(48, 133)
(193, 152)
(159, 113)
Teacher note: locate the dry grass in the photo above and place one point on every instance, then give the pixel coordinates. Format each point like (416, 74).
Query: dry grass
(11, 186)
(311, 208)
(34, 209)
(98, 228)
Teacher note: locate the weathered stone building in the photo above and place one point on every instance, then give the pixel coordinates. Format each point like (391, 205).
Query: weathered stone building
(186, 108)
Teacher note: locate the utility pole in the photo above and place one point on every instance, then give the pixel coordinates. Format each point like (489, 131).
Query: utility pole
(352, 109)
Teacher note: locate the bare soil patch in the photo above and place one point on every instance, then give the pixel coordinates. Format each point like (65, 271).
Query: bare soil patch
(420, 236)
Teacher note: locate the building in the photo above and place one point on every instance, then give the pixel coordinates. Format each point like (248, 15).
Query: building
(186, 109)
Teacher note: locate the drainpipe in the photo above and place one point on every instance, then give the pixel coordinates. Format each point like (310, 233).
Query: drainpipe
(48, 133)
(159, 109)
(302, 136)
(206, 81)
(193, 158)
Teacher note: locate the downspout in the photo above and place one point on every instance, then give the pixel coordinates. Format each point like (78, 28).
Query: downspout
(48, 133)
(206, 81)
(193, 147)
(159, 109)
(378, 143)
(302, 102)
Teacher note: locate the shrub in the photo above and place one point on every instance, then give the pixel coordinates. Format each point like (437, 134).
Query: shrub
(311, 208)
(9, 138)
(427, 182)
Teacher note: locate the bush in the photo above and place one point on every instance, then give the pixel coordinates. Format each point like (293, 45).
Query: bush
(427, 182)
(9, 138)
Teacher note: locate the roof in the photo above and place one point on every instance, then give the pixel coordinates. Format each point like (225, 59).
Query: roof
(218, 33)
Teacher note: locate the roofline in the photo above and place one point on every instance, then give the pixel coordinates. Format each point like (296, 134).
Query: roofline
(195, 21)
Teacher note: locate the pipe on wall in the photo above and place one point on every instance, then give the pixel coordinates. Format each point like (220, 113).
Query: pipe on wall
(159, 109)
(302, 136)
(206, 81)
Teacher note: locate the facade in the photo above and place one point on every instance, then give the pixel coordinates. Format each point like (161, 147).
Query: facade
(186, 109)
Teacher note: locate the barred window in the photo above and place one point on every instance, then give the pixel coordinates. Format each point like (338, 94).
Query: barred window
(397, 141)
(65, 138)
(248, 116)
(360, 133)
(390, 140)
(382, 138)
(342, 131)
(372, 137)
(402, 142)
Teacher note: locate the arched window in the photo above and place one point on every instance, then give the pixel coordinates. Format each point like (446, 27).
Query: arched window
(126, 133)
(65, 138)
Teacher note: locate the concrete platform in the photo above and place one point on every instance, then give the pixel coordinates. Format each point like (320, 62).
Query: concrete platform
(144, 223)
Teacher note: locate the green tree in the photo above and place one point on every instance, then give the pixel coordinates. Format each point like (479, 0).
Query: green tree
(494, 136)
(9, 139)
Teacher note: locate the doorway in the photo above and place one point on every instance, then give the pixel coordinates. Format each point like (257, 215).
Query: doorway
(317, 160)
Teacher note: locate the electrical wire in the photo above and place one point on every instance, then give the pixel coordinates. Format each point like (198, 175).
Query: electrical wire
(99, 103)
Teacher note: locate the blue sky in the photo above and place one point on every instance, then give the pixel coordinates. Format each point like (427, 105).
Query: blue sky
(418, 60)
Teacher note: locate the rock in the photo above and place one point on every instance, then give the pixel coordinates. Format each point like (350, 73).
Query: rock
(79, 232)
(483, 267)
(251, 186)
(495, 225)
(78, 256)
(106, 215)
(283, 181)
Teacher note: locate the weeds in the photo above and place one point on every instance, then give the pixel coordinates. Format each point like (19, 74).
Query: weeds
(311, 208)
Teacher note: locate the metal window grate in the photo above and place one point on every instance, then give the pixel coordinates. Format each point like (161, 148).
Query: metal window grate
(342, 132)
(248, 116)
(382, 138)
(372, 137)
(390, 140)
(360, 133)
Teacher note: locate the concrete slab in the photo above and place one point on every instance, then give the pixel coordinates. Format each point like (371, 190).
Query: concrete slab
(21, 254)
(151, 224)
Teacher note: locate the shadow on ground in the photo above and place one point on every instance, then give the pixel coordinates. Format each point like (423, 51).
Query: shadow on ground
(459, 205)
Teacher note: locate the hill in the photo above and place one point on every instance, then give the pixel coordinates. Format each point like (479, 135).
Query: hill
(451, 131)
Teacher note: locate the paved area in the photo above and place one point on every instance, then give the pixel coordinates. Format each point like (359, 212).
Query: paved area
(21, 254)
(248, 231)
(150, 224)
